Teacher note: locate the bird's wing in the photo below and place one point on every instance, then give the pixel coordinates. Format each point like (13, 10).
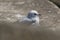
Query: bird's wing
(19, 16)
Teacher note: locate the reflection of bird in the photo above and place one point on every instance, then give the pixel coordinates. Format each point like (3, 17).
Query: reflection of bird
(31, 18)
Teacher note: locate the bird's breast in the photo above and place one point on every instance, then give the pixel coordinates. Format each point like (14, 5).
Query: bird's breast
(36, 20)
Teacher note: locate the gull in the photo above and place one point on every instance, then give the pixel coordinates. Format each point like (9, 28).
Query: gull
(31, 18)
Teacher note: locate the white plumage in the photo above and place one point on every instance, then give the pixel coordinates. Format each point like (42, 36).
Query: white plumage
(31, 18)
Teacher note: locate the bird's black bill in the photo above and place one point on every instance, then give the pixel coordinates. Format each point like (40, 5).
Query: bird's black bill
(39, 14)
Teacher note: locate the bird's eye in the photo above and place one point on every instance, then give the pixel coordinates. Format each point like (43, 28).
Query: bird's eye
(35, 14)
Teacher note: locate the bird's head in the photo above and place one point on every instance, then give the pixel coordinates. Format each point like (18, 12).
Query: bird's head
(33, 14)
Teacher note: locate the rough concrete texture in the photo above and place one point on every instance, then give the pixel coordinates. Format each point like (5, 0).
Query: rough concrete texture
(49, 28)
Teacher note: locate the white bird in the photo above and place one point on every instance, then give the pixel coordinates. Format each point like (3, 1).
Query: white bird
(31, 18)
